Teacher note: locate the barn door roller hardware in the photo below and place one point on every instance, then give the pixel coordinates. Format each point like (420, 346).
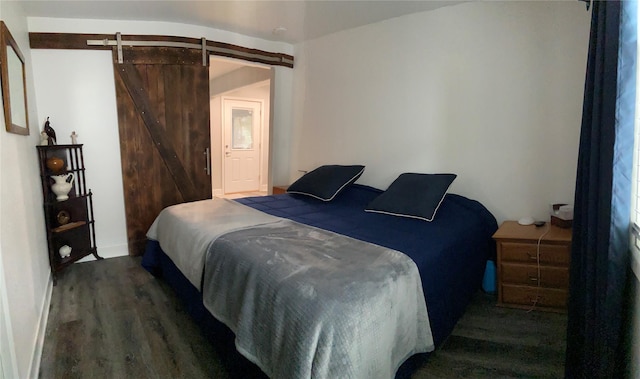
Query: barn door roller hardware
(118, 43)
(243, 53)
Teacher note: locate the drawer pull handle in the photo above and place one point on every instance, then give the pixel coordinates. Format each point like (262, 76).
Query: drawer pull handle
(532, 256)
(533, 279)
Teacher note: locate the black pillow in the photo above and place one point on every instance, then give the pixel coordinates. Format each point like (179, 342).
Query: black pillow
(413, 195)
(325, 182)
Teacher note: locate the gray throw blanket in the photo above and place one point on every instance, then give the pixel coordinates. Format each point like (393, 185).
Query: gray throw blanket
(308, 303)
(185, 231)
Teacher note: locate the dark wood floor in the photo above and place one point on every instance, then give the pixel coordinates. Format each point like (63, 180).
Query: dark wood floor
(111, 319)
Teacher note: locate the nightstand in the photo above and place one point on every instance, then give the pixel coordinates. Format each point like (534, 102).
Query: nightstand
(519, 285)
(279, 190)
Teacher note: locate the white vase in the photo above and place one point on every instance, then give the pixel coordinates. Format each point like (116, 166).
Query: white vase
(62, 186)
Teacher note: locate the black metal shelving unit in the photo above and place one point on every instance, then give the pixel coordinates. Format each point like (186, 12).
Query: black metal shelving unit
(68, 222)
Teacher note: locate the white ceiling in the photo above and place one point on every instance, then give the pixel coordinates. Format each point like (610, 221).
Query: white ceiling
(303, 19)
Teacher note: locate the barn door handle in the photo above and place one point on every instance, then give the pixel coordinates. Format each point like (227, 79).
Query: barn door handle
(207, 164)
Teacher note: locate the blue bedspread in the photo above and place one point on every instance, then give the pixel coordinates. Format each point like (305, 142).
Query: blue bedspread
(450, 251)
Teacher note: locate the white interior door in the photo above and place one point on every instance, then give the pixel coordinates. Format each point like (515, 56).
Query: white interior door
(242, 124)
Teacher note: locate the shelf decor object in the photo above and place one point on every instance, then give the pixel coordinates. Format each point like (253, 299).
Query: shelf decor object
(63, 217)
(62, 185)
(65, 251)
(68, 207)
(55, 164)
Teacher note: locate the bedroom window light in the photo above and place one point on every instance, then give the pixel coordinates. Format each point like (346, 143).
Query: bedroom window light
(635, 199)
(635, 208)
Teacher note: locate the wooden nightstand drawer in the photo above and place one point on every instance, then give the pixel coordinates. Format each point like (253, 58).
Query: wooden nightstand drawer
(527, 253)
(515, 273)
(518, 262)
(526, 296)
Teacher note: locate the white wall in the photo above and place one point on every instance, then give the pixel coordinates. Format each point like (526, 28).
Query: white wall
(76, 89)
(25, 280)
(282, 131)
(491, 91)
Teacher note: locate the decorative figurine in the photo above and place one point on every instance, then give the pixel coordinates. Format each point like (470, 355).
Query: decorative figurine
(50, 132)
(44, 138)
(63, 217)
(64, 251)
(74, 138)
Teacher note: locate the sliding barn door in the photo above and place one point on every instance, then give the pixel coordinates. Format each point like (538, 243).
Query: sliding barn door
(163, 117)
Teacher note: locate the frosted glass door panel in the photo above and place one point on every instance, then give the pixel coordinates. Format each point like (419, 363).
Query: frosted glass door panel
(242, 129)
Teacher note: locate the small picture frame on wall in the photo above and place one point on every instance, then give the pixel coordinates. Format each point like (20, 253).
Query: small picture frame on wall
(13, 80)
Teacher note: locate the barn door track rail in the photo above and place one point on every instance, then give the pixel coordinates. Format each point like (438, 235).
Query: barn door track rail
(118, 41)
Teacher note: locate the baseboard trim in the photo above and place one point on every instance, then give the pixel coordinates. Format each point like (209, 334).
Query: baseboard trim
(36, 358)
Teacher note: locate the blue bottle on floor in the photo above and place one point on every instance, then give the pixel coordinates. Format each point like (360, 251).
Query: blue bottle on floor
(489, 280)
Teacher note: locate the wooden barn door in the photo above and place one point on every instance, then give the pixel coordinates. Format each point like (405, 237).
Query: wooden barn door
(163, 119)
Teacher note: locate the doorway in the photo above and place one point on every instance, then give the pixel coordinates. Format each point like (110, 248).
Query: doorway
(241, 131)
(240, 101)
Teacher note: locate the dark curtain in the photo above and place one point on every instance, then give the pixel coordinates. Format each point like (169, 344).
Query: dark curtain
(600, 252)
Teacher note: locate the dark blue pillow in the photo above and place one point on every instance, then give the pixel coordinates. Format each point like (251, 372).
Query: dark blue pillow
(325, 182)
(413, 195)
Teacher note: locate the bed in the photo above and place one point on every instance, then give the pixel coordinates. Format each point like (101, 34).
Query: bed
(449, 255)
